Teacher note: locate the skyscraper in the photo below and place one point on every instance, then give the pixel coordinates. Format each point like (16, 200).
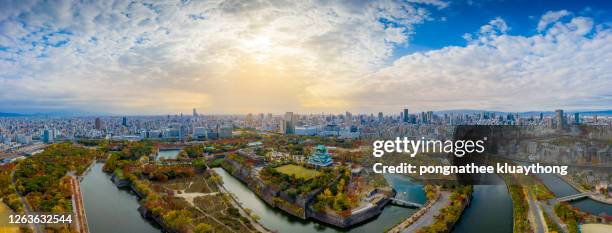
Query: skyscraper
(195, 113)
(576, 118)
(289, 123)
(46, 136)
(98, 123)
(348, 117)
(124, 122)
(406, 117)
(541, 116)
(380, 117)
(560, 119)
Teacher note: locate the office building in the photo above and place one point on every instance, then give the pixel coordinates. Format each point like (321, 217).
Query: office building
(98, 123)
(560, 119)
(289, 123)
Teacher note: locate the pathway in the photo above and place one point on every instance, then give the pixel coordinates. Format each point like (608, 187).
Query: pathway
(535, 214)
(77, 205)
(549, 211)
(26, 208)
(428, 217)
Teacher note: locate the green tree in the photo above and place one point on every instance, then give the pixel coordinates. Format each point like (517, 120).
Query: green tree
(203, 228)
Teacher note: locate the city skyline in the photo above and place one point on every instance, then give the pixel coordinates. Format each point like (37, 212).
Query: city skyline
(133, 58)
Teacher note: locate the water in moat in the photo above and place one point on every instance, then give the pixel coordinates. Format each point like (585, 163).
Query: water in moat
(561, 189)
(109, 209)
(490, 209)
(280, 221)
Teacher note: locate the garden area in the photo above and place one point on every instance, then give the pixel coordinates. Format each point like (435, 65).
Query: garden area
(294, 185)
(298, 171)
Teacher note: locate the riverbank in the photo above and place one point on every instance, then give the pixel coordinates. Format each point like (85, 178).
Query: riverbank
(425, 215)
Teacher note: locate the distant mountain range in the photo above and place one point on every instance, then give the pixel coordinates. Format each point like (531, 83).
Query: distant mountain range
(8, 114)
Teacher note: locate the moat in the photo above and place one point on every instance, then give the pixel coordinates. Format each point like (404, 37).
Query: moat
(110, 209)
(105, 204)
(276, 219)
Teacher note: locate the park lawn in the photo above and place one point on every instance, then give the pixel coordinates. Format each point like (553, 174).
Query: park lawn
(5, 227)
(298, 171)
(595, 228)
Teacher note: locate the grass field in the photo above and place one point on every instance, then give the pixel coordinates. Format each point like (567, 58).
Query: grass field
(298, 171)
(5, 227)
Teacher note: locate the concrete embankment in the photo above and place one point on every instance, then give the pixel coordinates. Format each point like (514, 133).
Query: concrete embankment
(78, 207)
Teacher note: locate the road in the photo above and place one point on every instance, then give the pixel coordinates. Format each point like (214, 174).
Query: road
(77, 203)
(428, 218)
(535, 214)
(549, 210)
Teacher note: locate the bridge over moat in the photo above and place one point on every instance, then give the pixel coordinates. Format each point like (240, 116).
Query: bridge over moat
(573, 197)
(404, 203)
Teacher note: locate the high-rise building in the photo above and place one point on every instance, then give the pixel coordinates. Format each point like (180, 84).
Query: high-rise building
(124, 122)
(48, 136)
(98, 123)
(380, 117)
(199, 132)
(225, 131)
(289, 123)
(249, 120)
(576, 118)
(405, 116)
(560, 119)
(195, 113)
(282, 127)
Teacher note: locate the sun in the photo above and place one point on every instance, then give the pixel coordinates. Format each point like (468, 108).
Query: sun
(259, 47)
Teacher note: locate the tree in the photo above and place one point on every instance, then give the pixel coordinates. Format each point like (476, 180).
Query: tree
(203, 228)
(178, 219)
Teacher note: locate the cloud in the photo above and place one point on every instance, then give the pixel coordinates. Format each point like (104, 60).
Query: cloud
(568, 66)
(126, 56)
(225, 56)
(551, 17)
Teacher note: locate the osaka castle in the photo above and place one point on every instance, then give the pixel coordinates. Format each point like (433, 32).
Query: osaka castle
(320, 157)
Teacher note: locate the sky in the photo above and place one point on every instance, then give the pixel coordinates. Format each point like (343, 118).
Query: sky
(231, 56)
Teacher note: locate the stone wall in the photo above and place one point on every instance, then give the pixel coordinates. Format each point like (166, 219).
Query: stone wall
(351, 220)
(268, 193)
(120, 183)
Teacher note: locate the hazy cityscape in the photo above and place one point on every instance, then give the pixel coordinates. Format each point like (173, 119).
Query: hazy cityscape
(17, 133)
